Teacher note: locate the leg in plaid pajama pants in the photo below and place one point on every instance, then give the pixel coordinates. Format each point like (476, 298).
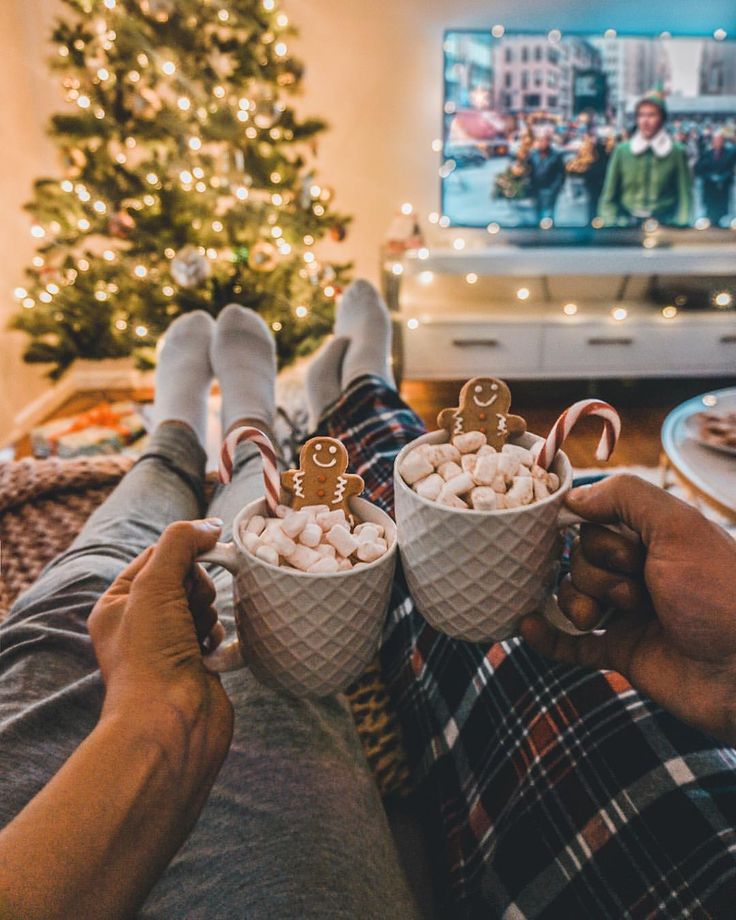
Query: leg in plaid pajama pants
(550, 791)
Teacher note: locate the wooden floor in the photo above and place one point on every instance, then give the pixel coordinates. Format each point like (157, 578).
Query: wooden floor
(643, 406)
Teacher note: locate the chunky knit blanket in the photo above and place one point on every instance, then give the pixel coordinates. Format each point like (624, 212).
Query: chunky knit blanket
(43, 506)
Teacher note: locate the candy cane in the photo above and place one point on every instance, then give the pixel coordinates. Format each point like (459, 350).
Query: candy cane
(567, 421)
(271, 476)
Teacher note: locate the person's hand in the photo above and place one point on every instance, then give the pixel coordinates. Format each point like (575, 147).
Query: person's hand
(149, 629)
(672, 587)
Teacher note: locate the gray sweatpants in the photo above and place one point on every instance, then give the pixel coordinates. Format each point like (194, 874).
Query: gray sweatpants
(294, 826)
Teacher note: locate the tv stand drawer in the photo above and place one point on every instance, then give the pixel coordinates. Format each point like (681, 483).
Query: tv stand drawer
(446, 350)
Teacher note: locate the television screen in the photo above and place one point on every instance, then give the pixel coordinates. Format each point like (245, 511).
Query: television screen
(579, 131)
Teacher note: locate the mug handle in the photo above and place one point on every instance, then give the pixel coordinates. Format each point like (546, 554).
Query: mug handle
(227, 657)
(551, 612)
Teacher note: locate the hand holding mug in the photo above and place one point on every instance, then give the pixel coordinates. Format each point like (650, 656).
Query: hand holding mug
(672, 588)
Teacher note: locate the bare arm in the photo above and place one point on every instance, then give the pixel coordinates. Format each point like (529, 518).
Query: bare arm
(96, 838)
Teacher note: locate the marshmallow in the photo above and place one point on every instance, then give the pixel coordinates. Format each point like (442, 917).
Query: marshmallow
(267, 554)
(415, 466)
(500, 502)
(283, 545)
(343, 541)
(311, 535)
(523, 455)
(303, 558)
(255, 525)
(552, 481)
(508, 466)
(540, 489)
(343, 565)
(538, 472)
(458, 485)
(365, 533)
(521, 490)
(524, 471)
(328, 519)
(282, 511)
(369, 552)
(326, 549)
(442, 453)
(295, 523)
(449, 470)
(486, 469)
(469, 442)
(368, 525)
(451, 501)
(314, 510)
(483, 498)
(499, 485)
(467, 462)
(325, 566)
(429, 487)
(251, 542)
(487, 449)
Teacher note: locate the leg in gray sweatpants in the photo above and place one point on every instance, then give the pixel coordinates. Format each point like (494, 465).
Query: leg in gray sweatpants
(294, 826)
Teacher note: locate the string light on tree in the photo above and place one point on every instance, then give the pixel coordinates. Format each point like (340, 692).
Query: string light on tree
(124, 204)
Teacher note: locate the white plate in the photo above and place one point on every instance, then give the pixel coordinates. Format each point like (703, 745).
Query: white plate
(692, 426)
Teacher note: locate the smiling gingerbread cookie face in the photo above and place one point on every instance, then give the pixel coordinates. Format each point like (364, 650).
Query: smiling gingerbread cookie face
(322, 477)
(483, 406)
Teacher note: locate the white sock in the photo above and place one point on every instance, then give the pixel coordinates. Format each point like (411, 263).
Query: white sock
(323, 380)
(184, 374)
(243, 356)
(363, 317)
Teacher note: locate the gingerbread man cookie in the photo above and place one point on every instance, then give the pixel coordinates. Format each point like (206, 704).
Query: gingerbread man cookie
(484, 406)
(322, 477)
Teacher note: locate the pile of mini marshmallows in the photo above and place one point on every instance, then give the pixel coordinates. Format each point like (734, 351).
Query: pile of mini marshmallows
(469, 473)
(314, 540)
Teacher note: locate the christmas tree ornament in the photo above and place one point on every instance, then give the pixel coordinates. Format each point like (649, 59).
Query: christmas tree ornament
(338, 232)
(158, 10)
(146, 103)
(120, 225)
(189, 268)
(404, 233)
(222, 64)
(263, 257)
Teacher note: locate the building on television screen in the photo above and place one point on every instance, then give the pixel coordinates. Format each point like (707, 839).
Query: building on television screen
(582, 130)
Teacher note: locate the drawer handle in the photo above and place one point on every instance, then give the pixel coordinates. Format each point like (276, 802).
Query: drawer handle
(470, 343)
(610, 341)
(728, 340)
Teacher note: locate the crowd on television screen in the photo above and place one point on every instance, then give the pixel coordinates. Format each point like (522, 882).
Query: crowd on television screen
(678, 171)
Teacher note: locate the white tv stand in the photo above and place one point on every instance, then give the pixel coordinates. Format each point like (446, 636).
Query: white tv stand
(447, 328)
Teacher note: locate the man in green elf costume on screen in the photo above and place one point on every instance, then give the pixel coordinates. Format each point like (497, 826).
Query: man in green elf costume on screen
(648, 176)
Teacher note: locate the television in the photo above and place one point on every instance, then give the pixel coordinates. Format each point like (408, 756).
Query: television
(588, 135)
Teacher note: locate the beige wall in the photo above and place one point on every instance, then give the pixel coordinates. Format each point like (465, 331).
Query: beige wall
(27, 95)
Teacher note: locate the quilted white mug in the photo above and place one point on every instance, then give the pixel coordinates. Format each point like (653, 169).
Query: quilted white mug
(474, 574)
(309, 635)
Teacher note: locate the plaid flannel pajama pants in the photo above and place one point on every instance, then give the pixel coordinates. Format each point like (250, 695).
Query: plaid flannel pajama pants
(549, 791)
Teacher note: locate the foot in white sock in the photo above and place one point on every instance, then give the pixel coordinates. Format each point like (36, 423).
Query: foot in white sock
(243, 357)
(323, 379)
(184, 374)
(363, 317)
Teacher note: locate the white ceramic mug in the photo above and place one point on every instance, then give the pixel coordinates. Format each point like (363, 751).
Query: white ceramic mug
(306, 634)
(474, 574)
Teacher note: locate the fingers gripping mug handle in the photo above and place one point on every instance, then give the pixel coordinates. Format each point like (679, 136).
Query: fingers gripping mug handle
(551, 612)
(228, 657)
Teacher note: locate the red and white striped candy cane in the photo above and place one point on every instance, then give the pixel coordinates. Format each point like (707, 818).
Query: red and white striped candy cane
(271, 476)
(567, 421)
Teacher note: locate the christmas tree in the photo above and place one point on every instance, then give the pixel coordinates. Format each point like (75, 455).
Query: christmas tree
(188, 182)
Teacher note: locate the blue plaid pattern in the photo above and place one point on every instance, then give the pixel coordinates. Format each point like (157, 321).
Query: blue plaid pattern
(549, 791)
